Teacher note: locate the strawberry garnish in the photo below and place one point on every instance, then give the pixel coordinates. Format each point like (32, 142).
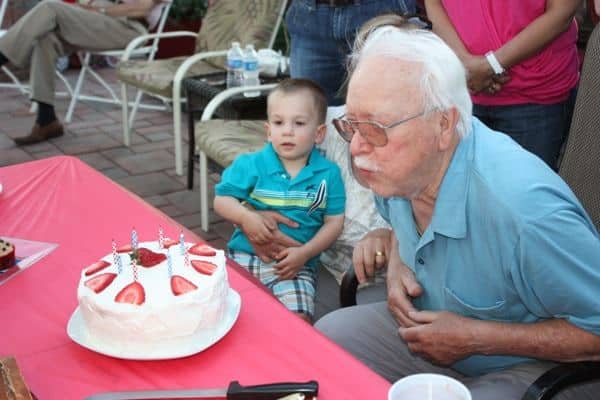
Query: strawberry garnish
(95, 267)
(126, 248)
(148, 258)
(204, 267)
(169, 242)
(202, 249)
(180, 285)
(100, 282)
(132, 294)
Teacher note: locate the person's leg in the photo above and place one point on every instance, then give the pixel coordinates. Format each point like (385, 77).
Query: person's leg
(370, 333)
(80, 28)
(314, 53)
(322, 36)
(38, 38)
(298, 294)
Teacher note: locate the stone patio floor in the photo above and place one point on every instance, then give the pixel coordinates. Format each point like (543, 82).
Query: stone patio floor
(146, 168)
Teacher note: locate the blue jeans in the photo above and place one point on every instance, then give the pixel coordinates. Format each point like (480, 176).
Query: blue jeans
(322, 36)
(539, 128)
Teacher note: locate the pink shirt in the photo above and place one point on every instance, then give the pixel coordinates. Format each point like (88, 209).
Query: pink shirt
(485, 25)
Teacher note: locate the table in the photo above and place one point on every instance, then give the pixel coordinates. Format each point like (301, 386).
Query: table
(62, 200)
(201, 89)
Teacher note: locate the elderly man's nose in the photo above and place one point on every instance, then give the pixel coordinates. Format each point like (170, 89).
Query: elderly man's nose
(358, 144)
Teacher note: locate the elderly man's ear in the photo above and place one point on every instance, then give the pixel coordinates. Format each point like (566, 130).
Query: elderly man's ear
(447, 124)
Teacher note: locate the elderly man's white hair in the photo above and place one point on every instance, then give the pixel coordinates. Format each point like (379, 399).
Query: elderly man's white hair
(444, 80)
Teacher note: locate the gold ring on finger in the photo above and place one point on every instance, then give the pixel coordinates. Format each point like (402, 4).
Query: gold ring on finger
(378, 253)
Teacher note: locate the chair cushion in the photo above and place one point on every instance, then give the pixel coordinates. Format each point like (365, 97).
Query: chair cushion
(156, 76)
(248, 21)
(222, 140)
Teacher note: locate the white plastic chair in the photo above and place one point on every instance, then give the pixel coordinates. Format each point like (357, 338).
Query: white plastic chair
(148, 50)
(207, 114)
(278, 5)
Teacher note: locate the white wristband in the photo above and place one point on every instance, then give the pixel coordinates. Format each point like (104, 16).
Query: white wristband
(493, 61)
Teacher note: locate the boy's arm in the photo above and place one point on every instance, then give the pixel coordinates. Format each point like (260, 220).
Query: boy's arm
(249, 221)
(329, 232)
(293, 258)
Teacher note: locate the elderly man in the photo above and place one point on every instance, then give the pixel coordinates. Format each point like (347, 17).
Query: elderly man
(52, 28)
(492, 262)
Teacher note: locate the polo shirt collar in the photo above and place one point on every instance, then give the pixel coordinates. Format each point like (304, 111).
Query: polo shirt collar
(450, 214)
(316, 162)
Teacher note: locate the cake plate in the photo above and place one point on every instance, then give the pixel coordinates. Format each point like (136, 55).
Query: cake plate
(170, 349)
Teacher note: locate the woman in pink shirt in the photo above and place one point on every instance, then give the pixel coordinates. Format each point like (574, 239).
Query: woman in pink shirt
(521, 57)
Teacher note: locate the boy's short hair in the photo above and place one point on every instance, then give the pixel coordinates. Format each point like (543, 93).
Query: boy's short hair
(293, 85)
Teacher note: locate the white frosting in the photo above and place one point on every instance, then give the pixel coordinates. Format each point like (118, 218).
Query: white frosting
(163, 317)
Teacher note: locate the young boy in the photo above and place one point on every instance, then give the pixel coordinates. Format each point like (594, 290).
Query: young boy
(291, 177)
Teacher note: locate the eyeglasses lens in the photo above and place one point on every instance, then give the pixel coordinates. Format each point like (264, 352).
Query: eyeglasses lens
(370, 132)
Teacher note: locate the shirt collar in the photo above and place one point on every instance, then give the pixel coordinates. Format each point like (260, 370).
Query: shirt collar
(316, 161)
(450, 214)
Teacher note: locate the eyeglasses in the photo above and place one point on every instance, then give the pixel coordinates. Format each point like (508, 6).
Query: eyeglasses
(373, 132)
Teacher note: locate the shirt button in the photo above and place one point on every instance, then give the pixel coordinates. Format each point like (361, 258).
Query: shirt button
(421, 261)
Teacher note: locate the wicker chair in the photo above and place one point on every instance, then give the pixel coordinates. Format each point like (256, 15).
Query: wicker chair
(248, 21)
(579, 168)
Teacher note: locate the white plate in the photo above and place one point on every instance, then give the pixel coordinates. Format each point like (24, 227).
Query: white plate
(180, 347)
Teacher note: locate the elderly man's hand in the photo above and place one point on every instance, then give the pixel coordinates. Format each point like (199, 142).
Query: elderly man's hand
(371, 253)
(402, 288)
(268, 251)
(441, 337)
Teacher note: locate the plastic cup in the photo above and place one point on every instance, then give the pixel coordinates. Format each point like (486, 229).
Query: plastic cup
(428, 387)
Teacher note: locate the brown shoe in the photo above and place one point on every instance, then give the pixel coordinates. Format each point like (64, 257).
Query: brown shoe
(41, 133)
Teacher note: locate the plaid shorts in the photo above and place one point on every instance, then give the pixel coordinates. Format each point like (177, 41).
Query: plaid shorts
(297, 294)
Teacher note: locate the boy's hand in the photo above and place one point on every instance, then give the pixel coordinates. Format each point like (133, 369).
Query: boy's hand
(291, 261)
(255, 228)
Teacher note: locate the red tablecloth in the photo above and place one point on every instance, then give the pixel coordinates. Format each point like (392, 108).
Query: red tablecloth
(62, 200)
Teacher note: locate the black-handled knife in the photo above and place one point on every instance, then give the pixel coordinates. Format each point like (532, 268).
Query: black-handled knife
(234, 391)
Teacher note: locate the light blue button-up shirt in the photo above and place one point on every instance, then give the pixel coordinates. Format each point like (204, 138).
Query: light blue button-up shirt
(508, 241)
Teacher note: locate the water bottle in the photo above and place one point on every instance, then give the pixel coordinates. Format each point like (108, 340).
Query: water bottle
(251, 70)
(235, 65)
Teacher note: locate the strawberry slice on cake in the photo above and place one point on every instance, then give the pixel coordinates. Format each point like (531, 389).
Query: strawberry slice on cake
(96, 267)
(126, 248)
(133, 294)
(100, 282)
(169, 242)
(202, 249)
(180, 285)
(204, 267)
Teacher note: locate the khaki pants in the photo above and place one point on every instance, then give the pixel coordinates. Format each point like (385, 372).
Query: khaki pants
(370, 333)
(52, 29)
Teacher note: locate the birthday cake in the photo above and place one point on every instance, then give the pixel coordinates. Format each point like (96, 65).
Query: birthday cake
(153, 293)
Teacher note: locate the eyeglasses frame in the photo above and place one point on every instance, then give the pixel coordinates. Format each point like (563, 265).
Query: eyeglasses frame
(352, 123)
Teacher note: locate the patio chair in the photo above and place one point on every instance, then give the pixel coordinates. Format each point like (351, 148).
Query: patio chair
(222, 140)
(579, 168)
(146, 51)
(249, 21)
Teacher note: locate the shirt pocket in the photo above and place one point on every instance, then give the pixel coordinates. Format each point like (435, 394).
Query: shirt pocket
(485, 308)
